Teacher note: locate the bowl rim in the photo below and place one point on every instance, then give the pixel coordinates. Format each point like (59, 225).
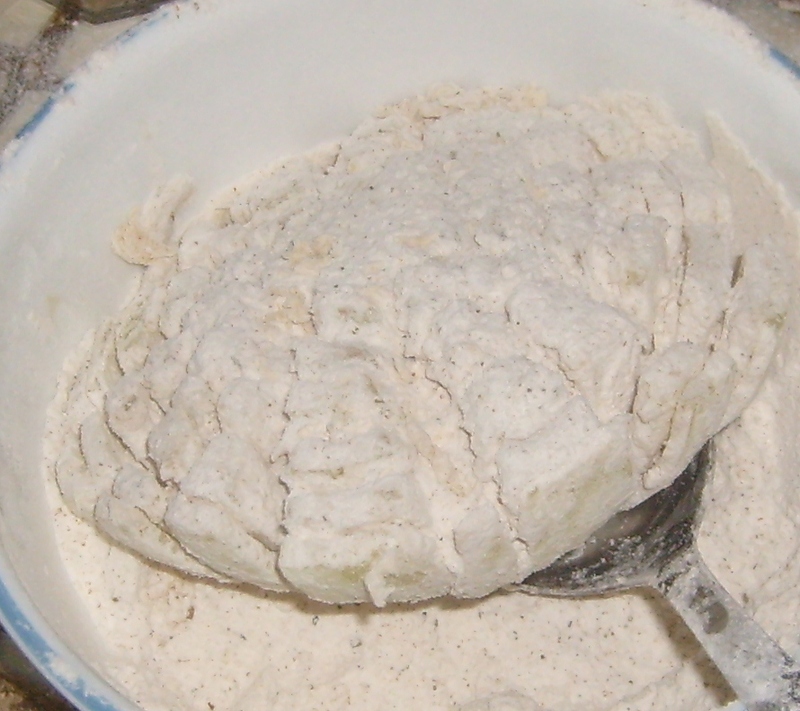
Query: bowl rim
(75, 679)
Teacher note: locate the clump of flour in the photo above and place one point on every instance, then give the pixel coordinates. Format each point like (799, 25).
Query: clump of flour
(426, 361)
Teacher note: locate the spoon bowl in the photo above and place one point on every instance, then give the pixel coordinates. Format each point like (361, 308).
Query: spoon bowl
(653, 545)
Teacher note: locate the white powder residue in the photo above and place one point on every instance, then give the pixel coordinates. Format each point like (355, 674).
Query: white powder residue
(424, 363)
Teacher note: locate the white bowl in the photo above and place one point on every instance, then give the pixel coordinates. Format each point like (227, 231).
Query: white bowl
(216, 89)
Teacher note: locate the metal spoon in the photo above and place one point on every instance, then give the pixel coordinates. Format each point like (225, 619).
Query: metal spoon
(653, 546)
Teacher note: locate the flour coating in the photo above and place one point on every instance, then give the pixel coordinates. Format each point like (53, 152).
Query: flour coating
(425, 361)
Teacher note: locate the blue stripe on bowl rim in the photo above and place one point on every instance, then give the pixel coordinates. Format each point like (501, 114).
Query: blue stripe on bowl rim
(59, 666)
(65, 87)
(785, 61)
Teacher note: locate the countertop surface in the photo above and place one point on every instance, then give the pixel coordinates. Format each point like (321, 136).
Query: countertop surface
(42, 41)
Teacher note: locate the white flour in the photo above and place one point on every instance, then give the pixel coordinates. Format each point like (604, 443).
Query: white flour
(635, 357)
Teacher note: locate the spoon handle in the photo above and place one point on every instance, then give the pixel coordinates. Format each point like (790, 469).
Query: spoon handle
(761, 674)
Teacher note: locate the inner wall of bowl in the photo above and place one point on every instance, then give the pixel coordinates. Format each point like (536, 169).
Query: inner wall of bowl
(218, 91)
